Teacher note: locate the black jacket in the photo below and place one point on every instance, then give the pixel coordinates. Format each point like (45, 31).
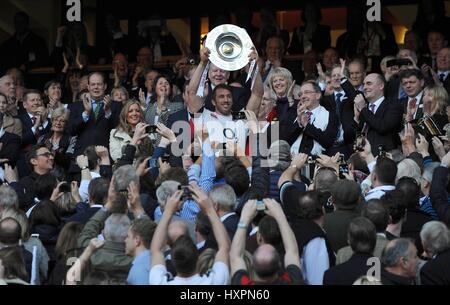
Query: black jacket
(10, 144)
(92, 132)
(347, 273)
(437, 270)
(438, 194)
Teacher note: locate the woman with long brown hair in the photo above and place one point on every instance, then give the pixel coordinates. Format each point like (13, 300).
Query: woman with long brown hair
(130, 139)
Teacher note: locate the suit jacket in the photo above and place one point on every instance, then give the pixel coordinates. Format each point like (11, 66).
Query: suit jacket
(290, 131)
(321, 40)
(92, 132)
(336, 226)
(438, 194)
(437, 270)
(383, 126)
(348, 272)
(345, 113)
(28, 137)
(83, 216)
(419, 113)
(344, 254)
(388, 278)
(240, 98)
(415, 219)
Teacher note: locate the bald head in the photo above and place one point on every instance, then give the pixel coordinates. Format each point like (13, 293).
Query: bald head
(10, 232)
(176, 229)
(373, 87)
(266, 261)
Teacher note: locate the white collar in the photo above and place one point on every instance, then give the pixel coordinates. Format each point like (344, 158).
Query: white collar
(2, 132)
(378, 102)
(224, 217)
(418, 97)
(201, 244)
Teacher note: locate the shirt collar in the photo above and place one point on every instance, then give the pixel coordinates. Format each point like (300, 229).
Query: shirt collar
(2, 132)
(378, 102)
(418, 97)
(224, 217)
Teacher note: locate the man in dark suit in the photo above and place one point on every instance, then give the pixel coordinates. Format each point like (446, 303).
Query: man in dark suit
(380, 119)
(98, 192)
(340, 103)
(35, 123)
(92, 119)
(400, 262)
(436, 241)
(412, 81)
(314, 129)
(224, 199)
(443, 66)
(362, 238)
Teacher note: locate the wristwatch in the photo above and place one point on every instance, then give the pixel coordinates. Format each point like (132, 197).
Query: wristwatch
(242, 225)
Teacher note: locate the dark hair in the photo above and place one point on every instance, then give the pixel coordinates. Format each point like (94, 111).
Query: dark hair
(154, 96)
(269, 231)
(411, 72)
(236, 175)
(386, 171)
(68, 238)
(90, 153)
(30, 91)
(44, 186)
(203, 224)
(32, 154)
(362, 235)
(184, 255)
(309, 206)
(394, 202)
(10, 231)
(98, 190)
(45, 213)
(221, 86)
(177, 174)
(14, 263)
(377, 214)
(411, 191)
(346, 194)
(144, 228)
(358, 163)
(50, 83)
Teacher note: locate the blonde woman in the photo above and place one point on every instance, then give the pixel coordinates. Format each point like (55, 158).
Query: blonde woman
(281, 83)
(130, 138)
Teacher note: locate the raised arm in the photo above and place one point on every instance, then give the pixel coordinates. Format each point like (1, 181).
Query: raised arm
(160, 235)
(291, 256)
(196, 78)
(220, 233)
(238, 245)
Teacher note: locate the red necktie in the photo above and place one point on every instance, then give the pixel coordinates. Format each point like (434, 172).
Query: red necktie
(412, 103)
(309, 114)
(191, 125)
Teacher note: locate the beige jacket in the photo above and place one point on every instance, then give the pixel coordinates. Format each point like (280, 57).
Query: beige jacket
(118, 139)
(12, 125)
(345, 253)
